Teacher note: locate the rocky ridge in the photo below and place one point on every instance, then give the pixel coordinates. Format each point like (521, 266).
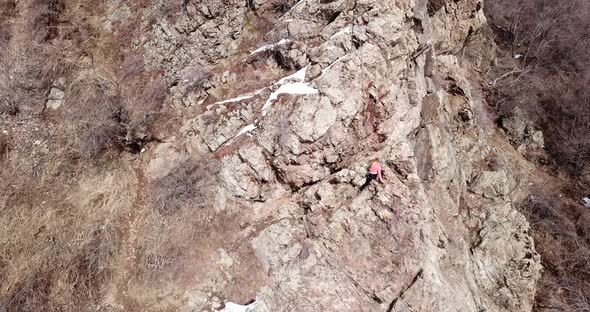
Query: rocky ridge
(360, 79)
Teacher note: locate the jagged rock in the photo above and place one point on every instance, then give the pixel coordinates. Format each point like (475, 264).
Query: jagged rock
(515, 124)
(278, 245)
(522, 133)
(55, 98)
(224, 259)
(254, 156)
(300, 175)
(395, 89)
(504, 251)
(196, 300)
(490, 184)
(237, 178)
(312, 118)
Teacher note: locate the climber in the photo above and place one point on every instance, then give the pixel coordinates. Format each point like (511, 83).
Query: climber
(376, 172)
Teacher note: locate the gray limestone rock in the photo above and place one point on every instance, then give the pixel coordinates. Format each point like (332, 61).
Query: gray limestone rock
(55, 98)
(490, 184)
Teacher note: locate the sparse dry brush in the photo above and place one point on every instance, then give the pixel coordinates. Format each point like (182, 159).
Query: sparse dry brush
(561, 236)
(545, 71)
(58, 249)
(46, 23)
(63, 214)
(181, 214)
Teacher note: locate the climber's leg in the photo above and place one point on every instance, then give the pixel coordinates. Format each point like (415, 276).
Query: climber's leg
(370, 177)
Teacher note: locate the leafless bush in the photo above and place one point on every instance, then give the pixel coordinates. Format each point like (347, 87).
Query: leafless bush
(564, 249)
(99, 140)
(9, 107)
(8, 9)
(46, 22)
(133, 66)
(3, 146)
(545, 71)
(189, 185)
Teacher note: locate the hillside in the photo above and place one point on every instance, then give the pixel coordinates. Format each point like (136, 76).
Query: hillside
(209, 156)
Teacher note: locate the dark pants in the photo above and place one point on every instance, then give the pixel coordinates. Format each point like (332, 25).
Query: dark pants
(371, 177)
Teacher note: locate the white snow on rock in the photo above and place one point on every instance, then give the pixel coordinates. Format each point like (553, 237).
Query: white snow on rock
(299, 76)
(292, 84)
(242, 97)
(234, 307)
(270, 46)
(298, 88)
(237, 99)
(246, 129)
(293, 7)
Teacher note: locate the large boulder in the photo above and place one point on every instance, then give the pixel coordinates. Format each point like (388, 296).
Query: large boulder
(490, 184)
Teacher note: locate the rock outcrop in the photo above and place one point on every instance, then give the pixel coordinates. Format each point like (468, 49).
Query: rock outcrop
(441, 234)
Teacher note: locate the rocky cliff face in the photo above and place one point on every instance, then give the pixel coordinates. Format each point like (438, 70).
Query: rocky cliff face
(294, 124)
(249, 198)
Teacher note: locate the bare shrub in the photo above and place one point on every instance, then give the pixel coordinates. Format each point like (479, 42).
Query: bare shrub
(3, 146)
(186, 186)
(98, 140)
(8, 9)
(545, 71)
(46, 22)
(10, 107)
(133, 66)
(60, 264)
(182, 212)
(565, 251)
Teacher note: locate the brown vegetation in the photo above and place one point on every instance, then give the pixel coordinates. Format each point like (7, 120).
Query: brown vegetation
(545, 71)
(63, 211)
(560, 230)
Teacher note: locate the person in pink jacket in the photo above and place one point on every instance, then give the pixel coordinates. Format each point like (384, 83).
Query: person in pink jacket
(376, 172)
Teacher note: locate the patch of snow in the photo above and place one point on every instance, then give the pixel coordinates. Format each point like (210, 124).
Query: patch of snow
(292, 84)
(298, 88)
(242, 97)
(293, 7)
(248, 128)
(237, 99)
(299, 76)
(329, 66)
(270, 46)
(517, 56)
(234, 307)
